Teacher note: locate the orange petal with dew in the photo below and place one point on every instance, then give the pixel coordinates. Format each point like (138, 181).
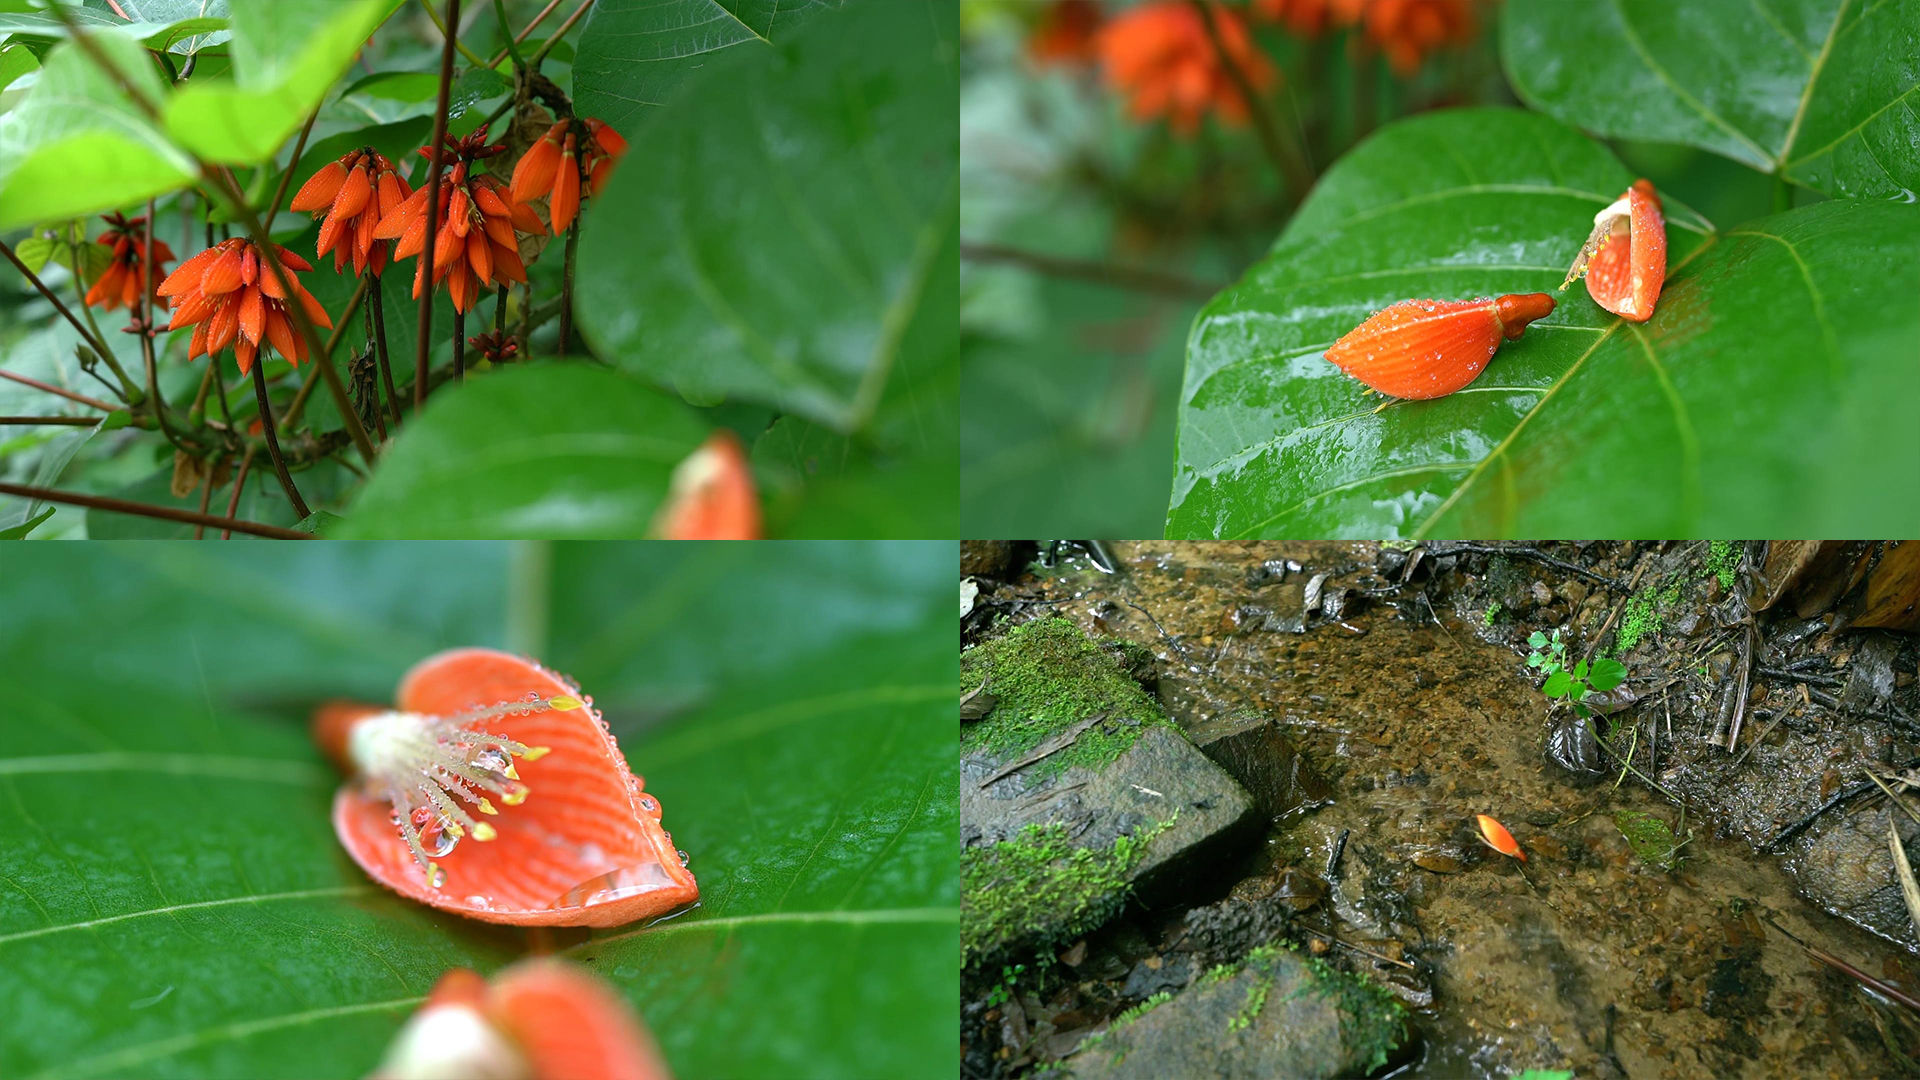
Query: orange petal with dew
(401, 218)
(312, 307)
(507, 265)
(280, 334)
(224, 326)
(1423, 349)
(223, 275)
(480, 255)
(533, 176)
(586, 848)
(712, 496)
(354, 193)
(253, 315)
(187, 276)
(1499, 839)
(319, 190)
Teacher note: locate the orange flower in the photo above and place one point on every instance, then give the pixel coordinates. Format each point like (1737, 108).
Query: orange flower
(543, 1019)
(1304, 18)
(1066, 33)
(1160, 56)
(711, 496)
(231, 297)
(120, 283)
(1408, 30)
(553, 167)
(352, 194)
(476, 246)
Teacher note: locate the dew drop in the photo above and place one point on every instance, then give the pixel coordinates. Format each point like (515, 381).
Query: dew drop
(616, 884)
(492, 758)
(480, 902)
(684, 857)
(650, 804)
(436, 877)
(533, 695)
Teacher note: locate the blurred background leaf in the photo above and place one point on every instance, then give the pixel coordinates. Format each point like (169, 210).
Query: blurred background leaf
(175, 903)
(1719, 417)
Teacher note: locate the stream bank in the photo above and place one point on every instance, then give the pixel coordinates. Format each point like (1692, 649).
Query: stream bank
(1368, 703)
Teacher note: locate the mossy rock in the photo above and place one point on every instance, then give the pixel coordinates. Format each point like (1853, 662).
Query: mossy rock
(1274, 1014)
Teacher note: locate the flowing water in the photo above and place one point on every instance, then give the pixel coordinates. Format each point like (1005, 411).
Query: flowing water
(1587, 957)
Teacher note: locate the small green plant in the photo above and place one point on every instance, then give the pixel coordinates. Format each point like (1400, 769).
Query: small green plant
(1002, 991)
(1571, 684)
(1645, 614)
(1651, 839)
(1492, 615)
(1723, 560)
(1143, 1008)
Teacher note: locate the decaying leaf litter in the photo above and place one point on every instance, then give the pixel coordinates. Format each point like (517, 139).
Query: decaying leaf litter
(1407, 693)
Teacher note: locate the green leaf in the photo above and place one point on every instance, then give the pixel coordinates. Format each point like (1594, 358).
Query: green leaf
(1558, 685)
(1608, 674)
(1761, 397)
(1537, 639)
(76, 145)
(1822, 90)
(179, 26)
(286, 56)
(15, 61)
(1580, 670)
(36, 251)
(820, 484)
(787, 234)
(20, 531)
(176, 904)
(533, 450)
(634, 54)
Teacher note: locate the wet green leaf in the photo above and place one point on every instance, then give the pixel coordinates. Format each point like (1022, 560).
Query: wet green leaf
(178, 26)
(544, 450)
(1761, 398)
(1607, 674)
(1558, 685)
(821, 484)
(1822, 90)
(174, 902)
(634, 54)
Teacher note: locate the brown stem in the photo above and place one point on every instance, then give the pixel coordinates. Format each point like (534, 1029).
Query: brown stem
(51, 389)
(566, 286)
(199, 410)
(1280, 150)
(163, 513)
(273, 440)
(92, 341)
(541, 53)
(373, 385)
(500, 313)
(425, 340)
(380, 348)
(280, 192)
(459, 346)
(206, 496)
(67, 421)
(522, 35)
(1138, 279)
(145, 310)
(239, 485)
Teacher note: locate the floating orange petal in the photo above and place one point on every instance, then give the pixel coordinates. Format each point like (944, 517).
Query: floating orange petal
(1499, 839)
(575, 839)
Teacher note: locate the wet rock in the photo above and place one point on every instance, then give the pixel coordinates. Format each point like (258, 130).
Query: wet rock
(1157, 973)
(1278, 1015)
(1287, 609)
(1847, 868)
(1870, 683)
(1264, 760)
(1047, 858)
(1271, 572)
(1226, 931)
(987, 558)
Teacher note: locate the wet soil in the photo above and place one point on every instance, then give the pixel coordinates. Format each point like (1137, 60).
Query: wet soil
(1587, 957)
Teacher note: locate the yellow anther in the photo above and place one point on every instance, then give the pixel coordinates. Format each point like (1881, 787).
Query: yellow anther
(487, 807)
(563, 703)
(454, 828)
(483, 831)
(510, 773)
(535, 753)
(515, 795)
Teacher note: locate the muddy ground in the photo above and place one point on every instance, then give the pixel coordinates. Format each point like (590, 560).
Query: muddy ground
(1400, 684)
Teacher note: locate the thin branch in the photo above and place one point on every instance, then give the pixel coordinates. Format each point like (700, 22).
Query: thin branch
(1136, 279)
(425, 341)
(273, 438)
(547, 45)
(163, 513)
(453, 34)
(67, 421)
(1284, 154)
(206, 496)
(513, 43)
(522, 35)
(459, 346)
(134, 393)
(239, 484)
(142, 325)
(286, 178)
(566, 286)
(380, 350)
(85, 335)
(51, 389)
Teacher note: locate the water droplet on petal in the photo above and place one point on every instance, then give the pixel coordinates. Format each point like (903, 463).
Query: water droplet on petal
(650, 804)
(480, 902)
(436, 877)
(492, 758)
(616, 884)
(684, 857)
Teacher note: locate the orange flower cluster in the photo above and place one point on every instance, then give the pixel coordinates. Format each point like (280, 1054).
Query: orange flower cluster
(553, 167)
(475, 246)
(353, 194)
(1066, 33)
(1160, 56)
(1406, 31)
(121, 282)
(231, 297)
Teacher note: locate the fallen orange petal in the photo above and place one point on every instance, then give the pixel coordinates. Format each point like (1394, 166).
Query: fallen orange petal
(1625, 257)
(574, 840)
(1499, 839)
(1424, 349)
(711, 496)
(542, 1019)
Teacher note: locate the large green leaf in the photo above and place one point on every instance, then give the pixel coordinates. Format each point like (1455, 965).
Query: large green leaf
(1758, 399)
(1820, 90)
(178, 26)
(542, 450)
(785, 235)
(76, 144)
(286, 56)
(174, 902)
(635, 53)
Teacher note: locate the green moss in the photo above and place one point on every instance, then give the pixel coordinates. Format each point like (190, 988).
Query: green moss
(1650, 838)
(1372, 1021)
(1151, 1003)
(1040, 883)
(1723, 561)
(1218, 974)
(1049, 676)
(1645, 614)
(1493, 614)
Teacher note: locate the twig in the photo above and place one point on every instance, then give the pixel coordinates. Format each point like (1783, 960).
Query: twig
(425, 340)
(1533, 555)
(378, 305)
(459, 346)
(1121, 277)
(164, 513)
(67, 421)
(1640, 567)
(522, 35)
(513, 43)
(1884, 989)
(547, 45)
(299, 147)
(239, 483)
(1852, 791)
(451, 29)
(1746, 685)
(206, 496)
(142, 328)
(333, 340)
(273, 440)
(92, 340)
(1046, 749)
(51, 389)
(1283, 153)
